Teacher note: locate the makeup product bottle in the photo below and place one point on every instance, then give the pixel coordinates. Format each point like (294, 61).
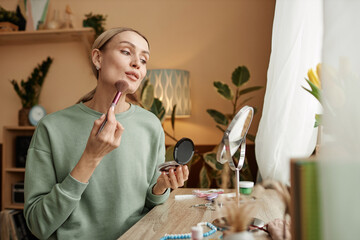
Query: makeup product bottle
(196, 233)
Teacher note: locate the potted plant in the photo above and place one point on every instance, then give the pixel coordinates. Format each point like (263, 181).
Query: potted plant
(29, 91)
(8, 21)
(96, 21)
(211, 170)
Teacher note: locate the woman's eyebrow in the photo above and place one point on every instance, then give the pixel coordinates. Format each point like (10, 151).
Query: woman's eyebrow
(132, 45)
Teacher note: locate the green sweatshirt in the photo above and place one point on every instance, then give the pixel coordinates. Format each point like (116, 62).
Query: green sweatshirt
(118, 194)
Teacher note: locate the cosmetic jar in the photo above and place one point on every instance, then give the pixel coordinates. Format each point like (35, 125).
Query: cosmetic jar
(246, 187)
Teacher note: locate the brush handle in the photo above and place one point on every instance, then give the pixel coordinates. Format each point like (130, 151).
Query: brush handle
(113, 104)
(102, 125)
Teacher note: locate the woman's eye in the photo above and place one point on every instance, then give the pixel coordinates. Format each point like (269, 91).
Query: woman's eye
(143, 61)
(125, 52)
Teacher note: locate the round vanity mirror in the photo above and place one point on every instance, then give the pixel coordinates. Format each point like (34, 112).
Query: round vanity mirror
(234, 138)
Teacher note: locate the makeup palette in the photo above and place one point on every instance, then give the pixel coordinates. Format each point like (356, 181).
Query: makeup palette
(183, 153)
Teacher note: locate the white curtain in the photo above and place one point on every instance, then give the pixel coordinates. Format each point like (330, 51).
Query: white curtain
(286, 128)
(340, 150)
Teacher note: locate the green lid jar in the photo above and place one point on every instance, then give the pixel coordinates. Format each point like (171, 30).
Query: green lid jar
(246, 187)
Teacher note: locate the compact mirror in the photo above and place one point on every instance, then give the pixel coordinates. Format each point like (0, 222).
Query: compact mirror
(182, 154)
(233, 139)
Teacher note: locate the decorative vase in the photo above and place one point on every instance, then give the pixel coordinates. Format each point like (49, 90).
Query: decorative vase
(24, 117)
(245, 235)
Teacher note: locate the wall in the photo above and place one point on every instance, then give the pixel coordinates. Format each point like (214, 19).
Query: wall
(210, 38)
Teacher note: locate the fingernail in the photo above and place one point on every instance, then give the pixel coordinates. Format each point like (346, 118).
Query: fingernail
(112, 108)
(102, 116)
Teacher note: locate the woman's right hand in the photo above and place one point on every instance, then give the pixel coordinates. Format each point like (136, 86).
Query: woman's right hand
(98, 146)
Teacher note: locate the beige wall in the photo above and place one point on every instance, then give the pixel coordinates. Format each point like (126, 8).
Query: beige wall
(210, 38)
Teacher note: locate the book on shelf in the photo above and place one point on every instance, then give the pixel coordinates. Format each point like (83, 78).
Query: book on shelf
(13, 226)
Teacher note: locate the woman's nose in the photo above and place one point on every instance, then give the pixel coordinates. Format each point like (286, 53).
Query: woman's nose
(135, 63)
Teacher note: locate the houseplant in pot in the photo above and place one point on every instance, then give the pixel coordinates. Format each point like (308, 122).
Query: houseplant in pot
(29, 91)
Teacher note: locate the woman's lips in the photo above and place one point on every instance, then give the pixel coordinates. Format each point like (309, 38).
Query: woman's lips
(132, 75)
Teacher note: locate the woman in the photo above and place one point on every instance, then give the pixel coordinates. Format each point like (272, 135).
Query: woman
(84, 185)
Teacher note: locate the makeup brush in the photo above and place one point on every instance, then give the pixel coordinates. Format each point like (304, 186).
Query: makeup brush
(121, 87)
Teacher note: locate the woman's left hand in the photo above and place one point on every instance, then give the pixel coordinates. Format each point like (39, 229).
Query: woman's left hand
(172, 180)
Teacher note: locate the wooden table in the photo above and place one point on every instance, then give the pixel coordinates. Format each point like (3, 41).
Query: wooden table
(177, 216)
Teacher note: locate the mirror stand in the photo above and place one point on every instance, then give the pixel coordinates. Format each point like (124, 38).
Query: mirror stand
(231, 163)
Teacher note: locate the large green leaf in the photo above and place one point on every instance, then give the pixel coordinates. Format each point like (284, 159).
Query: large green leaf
(147, 96)
(224, 90)
(204, 178)
(250, 89)
(240, 76)
(218, 117)
(210, 159)
(158, 109)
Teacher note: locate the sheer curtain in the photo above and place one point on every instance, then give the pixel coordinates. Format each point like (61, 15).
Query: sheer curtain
(340, 152)
(286, 128)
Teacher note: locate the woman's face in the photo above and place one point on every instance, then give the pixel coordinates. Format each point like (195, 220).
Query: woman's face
(124, 58)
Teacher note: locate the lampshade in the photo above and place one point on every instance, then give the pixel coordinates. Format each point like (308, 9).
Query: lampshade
(172, 87)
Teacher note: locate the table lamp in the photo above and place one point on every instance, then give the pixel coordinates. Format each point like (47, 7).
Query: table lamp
(172, 86)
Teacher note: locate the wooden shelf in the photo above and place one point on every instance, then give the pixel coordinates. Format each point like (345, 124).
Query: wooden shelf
(85, 35)
(14, 206)
(15, 170)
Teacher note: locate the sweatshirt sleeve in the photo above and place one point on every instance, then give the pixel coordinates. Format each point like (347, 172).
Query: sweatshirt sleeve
(48, 203)
(152, 199)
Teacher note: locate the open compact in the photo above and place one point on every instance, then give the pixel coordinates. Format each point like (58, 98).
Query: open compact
(183, 153)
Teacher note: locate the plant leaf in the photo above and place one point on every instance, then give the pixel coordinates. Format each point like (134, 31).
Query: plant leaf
(218, 117)
(147, 96)
(315, 91)
(219, 127)
(249, 89)
(224, 90)
(204, 178)
(318, 119)
(210, 159)
(158, 109)
(250, 137)
(240, 76)
(173, 118)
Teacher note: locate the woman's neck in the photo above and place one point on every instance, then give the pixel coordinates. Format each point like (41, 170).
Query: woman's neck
(102, 100)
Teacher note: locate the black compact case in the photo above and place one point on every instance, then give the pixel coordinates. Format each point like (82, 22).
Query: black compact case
(183, 153)
(22, 144)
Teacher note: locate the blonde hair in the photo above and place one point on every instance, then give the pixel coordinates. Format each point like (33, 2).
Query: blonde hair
(100, 43)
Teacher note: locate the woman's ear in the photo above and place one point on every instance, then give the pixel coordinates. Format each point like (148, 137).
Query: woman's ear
(96, 58)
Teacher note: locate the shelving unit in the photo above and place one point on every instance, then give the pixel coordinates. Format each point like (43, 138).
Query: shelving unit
(10, 173)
